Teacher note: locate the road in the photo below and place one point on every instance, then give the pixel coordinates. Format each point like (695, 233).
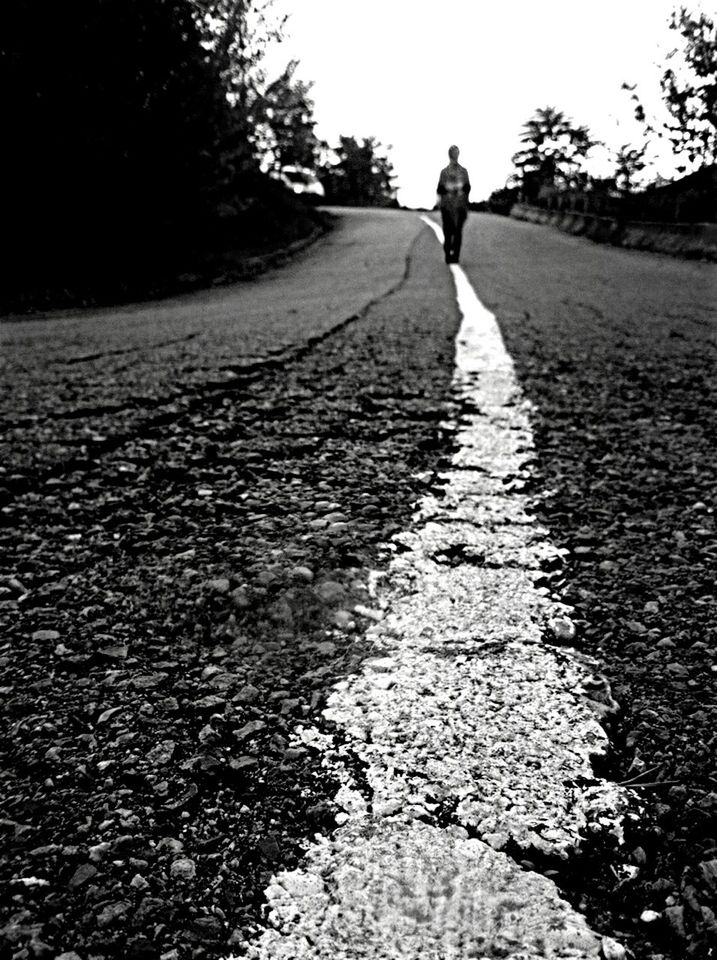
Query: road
(213, 569)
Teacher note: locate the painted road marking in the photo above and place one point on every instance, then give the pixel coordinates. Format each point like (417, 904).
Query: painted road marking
(475, 735)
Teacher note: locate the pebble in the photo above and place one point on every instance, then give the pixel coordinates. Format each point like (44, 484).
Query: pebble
(708, 868)
(46, 636)
(138, 882)
(115, 652)
(219, 585)
(331, 592)
(111, 913)
(247, 694)
(612, 950)
(162, 753)
(649, 916)
(83, 873)
(562, 629)
(676, 919)
(183, 869)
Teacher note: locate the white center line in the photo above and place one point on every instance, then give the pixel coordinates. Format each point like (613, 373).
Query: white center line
(475, 734)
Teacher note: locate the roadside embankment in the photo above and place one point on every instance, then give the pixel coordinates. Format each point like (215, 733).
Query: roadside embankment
(693, 240)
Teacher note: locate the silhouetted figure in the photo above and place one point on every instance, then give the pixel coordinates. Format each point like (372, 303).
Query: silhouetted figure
(454, 185)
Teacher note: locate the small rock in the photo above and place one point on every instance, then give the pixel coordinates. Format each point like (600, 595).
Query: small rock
(162, 753)
(117, 651)
(209, 928)
(303, 573)
(171, 844)
(331, 592)
(138, 882)
(83, 873)
(183, 869)
(612, 950)
(211, 702)
(249, 729)
(343, 619)
(269, 848)
(639, 856)
(108, 714)
(562, 629)
(338, 527)
(45, 636)
(242, 763)
(247, 694)
(218, 585)
(380, 664)
(676, 919)
(649, 916)
(240, 598)
(368, 612)
(708, 869)
(497, 840)
(327, 648)
(111, 913)
(98, 851)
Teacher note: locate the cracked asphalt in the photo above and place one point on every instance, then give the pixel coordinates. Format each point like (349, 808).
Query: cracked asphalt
(194, 495)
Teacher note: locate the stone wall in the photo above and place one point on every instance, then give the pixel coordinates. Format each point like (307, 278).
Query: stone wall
(694, 240)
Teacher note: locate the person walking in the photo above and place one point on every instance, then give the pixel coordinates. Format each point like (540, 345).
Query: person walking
(453, 188)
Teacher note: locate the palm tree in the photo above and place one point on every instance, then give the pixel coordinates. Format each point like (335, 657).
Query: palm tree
(553, 151)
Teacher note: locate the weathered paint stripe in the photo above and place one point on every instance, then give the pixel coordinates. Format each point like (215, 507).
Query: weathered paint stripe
(474, 733)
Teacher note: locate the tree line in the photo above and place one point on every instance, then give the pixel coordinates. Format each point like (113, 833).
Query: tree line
(139, 133)
(553, 160)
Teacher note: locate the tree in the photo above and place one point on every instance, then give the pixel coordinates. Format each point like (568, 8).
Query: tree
(553, 152)
(688, 85)
(629, 163)
(237, 33)
(361, 174)
(689, 88)
(287, 125)
(112, 120)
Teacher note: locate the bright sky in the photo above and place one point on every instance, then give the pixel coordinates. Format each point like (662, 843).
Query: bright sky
(422, 74)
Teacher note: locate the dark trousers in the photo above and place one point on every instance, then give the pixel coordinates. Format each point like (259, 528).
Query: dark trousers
(453, 221)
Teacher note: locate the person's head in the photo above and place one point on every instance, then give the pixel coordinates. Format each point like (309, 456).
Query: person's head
(453, 152)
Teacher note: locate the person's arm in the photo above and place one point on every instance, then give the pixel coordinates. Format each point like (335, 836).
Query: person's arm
(467, 185)
(441, 188)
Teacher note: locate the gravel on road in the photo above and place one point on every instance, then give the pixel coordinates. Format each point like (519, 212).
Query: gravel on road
(174, 607)
(617, 351)
(189, 515)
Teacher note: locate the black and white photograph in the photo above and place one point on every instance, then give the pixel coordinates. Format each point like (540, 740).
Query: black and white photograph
(358, 480)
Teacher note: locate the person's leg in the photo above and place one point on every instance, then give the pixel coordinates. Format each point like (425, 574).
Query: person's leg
(458, 237)
(447, 221)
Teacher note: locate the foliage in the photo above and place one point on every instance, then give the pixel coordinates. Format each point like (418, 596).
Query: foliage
(629, 163)
(134, 137)
(360, 175)
(237, 32)
(112, 122)
(500, 201)
(553, 151)
(688, 86)
(287, 122)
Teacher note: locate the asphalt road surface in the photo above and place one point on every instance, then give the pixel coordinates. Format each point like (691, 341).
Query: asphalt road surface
(325, 637)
